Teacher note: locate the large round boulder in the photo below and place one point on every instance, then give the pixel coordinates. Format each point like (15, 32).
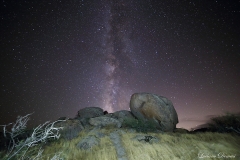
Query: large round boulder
(147, 106)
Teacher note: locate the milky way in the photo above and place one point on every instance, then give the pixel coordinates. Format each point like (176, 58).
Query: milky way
(58, 57)
(116, 50)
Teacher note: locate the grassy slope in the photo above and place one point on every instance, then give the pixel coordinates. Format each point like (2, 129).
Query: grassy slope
(171, 146)
(183, 146)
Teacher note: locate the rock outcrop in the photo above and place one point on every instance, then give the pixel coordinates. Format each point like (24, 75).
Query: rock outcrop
(146, 106)
(88, 142)
(86, 113)
(120, 115)
(105, 121)
(116, 139)
(71, 128)
(90, 112)
(123, 114)
(91, 139)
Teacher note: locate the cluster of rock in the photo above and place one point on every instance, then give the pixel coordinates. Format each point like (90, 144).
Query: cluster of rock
(143, 106)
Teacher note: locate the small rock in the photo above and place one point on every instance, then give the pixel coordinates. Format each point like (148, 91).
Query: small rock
(88, 142)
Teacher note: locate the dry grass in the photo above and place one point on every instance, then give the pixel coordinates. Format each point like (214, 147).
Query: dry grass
(172, 146)
(182, 146)
(105, 150)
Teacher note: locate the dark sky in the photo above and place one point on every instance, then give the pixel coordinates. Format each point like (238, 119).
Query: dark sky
(60, 56)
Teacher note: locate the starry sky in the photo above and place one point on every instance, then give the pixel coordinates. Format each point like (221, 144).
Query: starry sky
(60, 56)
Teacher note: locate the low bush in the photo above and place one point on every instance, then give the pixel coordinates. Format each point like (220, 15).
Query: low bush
(227, 123)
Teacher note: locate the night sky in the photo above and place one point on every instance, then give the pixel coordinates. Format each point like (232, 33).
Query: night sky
(60, 56)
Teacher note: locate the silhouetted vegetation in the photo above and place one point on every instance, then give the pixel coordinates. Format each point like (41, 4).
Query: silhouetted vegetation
(22, 142)
(225, 123)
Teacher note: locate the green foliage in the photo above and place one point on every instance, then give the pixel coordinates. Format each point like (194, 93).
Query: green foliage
(226, 123)
(140, 125)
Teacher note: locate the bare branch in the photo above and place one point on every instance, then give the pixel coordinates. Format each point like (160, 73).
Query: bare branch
(4, 129)
(41, 133)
